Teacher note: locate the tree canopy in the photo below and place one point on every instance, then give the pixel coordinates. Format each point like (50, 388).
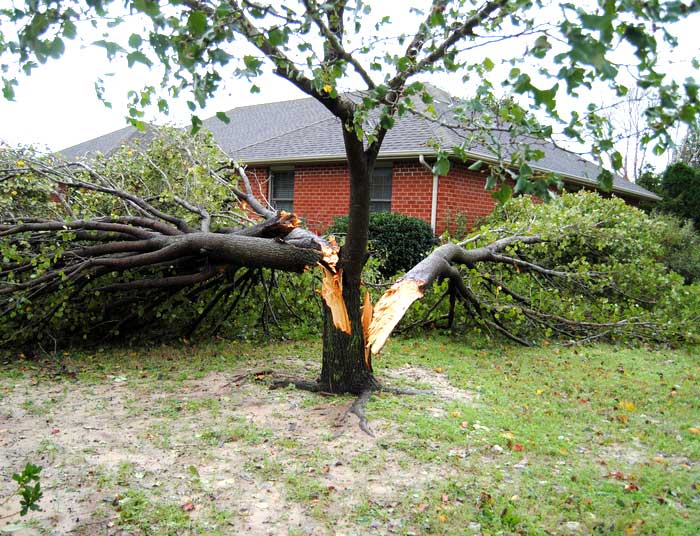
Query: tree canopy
(557, 52)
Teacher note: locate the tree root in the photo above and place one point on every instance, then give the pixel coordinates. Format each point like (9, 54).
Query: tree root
(304, 385)
(357, 407)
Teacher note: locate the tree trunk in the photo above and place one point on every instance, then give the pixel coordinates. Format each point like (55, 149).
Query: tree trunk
(346, 366)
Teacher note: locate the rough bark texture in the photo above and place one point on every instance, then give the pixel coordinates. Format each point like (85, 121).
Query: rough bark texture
(344, 368)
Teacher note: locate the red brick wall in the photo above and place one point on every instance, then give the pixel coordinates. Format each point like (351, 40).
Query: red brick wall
(412, 190)
(322, 191)
(462, 199)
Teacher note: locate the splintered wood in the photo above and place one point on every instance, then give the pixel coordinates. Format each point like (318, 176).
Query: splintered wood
(390, 309)
(330, 252)
(367, 311)
(288, 221)
(332, 294)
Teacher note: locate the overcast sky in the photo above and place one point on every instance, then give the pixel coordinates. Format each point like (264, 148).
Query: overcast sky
(57, 107)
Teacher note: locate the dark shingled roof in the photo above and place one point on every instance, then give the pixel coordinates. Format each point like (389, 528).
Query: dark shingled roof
(303, 130)
(107, 144)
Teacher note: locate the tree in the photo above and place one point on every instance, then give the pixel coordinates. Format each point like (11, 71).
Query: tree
(689, 150)
(317, 48)
(680, 188)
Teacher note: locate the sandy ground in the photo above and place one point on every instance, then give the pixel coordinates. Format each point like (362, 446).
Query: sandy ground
(95, 441)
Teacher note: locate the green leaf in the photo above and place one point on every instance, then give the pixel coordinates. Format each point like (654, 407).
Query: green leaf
(488, 64)
(221, 116)
(277, 37)
(196, 124)
(476, 166)
(57, 48)
(252, 63)
(149, 7)
(404, 63)
(197, 23)
(7, 90)
(69, 30)
(138, 57)
(442, 166)
(687, 113)
(135, 40)
(503, 194)
(616, 159)
(163, 106)
(605, 180)
(111, 48)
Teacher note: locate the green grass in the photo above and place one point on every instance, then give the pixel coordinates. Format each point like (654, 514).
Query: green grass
(609, 435)
(599, 439)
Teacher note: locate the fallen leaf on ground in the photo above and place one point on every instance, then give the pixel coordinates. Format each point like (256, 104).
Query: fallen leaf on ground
(627, 406)
(188, 506)
(617, 475)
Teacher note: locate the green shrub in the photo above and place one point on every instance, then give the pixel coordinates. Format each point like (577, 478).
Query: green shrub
(398, 241)
(619, 258)
(681, 246)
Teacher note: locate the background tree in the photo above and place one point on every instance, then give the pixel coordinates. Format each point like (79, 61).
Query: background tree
(680, 188)
(558, 50)
(689, 149)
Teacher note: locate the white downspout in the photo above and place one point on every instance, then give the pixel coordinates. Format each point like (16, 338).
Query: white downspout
(434, 205)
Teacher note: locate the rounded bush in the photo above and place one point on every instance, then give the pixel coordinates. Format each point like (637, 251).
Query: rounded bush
(399, 242)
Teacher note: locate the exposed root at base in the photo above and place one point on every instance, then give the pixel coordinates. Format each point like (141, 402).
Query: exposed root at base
(410, 392)
(357, 407)
(304, 385)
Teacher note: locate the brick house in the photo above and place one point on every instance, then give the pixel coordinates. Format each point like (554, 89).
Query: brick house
(295, 157)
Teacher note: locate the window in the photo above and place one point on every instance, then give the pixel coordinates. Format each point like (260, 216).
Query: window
(380, 190)
(282, 190)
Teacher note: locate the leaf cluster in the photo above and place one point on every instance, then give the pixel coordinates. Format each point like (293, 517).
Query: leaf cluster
(29, 488)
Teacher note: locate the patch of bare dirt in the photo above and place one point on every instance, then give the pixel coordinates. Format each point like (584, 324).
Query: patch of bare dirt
(268, 459)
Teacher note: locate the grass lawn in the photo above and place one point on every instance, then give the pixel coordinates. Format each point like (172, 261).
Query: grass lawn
(189, 440)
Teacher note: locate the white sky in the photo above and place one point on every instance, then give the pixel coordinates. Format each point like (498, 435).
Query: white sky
(57, 107)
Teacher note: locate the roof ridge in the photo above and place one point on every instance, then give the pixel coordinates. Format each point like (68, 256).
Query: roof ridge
(260, 104)
(287, 132)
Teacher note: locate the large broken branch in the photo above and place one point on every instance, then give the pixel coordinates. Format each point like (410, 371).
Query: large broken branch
(151, 256)
(392, 306)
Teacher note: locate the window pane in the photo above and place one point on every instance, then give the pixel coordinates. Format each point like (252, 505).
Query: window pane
(287, 206)
(380, 206)
(282, 195)
(283, 185)
(380, 190)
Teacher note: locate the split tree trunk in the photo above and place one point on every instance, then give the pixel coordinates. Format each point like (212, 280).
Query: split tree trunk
(347, 365)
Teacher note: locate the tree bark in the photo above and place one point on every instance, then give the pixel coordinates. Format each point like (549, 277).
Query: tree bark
(346, 365)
